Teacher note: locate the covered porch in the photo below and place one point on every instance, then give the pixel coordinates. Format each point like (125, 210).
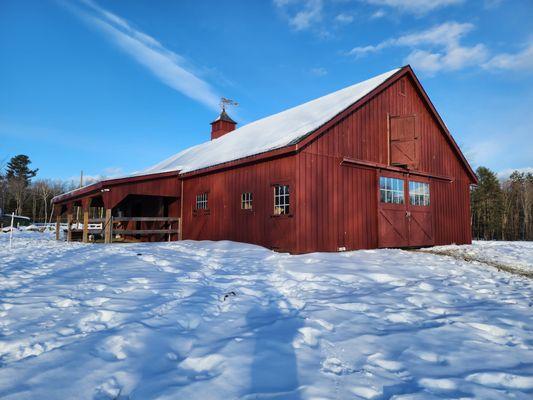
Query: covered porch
(143, 208)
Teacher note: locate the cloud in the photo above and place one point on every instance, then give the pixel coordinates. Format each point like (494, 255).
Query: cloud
(319, 71)
(522, 60)
(301, 14)
(169, 67)
(482, 152)
(344, 18)
(378, 14)
(414, 6)
(506, 173)
(443, 51)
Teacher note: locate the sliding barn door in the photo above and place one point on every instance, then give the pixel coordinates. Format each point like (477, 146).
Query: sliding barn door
(392, 224)
(405, 215)
(420, 213)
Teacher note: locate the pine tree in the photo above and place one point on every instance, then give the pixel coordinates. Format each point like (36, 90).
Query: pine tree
(487, 202)
(18, 176)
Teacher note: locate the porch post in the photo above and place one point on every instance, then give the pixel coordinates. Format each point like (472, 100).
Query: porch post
(58, 222)
(69, 223)
(85, 206)
(108, 226)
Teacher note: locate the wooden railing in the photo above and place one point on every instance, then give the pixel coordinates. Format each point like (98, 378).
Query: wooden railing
(107, 227)
(161, 231)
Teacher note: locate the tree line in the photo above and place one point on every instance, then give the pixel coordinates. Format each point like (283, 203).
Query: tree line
(24, 194)
(501, 209)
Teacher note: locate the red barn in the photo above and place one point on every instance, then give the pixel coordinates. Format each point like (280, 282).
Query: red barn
(372, 165)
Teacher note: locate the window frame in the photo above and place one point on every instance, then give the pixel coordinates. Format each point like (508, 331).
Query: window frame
(424, 194)
(247, 198)
(204, 201)
(393, 190)
(287, 207)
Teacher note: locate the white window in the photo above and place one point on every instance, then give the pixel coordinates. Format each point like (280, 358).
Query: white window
(419, 193)
(201, 201)
(246, 201)
(281, 199)
(391, 190)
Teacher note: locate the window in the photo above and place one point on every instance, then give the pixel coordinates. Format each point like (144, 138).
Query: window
(201, 201)
(246, 201)
(391, 190)
(419, 193)
(281, 199)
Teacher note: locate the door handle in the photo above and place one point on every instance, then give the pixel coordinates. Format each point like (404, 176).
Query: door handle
(408, 214)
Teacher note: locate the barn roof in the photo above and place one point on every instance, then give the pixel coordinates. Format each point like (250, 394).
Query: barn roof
(269, 133)
(275, 132)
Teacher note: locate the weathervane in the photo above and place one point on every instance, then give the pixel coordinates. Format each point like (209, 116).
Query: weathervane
(224, 102)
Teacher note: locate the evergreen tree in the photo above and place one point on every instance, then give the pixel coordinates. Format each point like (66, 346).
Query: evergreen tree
(18, 176)
(487, 202)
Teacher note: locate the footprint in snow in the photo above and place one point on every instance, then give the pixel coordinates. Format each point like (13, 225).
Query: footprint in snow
(333, 365)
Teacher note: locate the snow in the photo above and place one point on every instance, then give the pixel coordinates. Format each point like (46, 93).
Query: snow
(273, 132)
(222, 320)
(514, 256)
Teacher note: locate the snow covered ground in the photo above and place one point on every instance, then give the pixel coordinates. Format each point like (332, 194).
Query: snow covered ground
(220, 320)
(515, 256)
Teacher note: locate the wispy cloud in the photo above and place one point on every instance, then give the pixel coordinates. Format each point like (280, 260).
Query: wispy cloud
(443, 48)
(344, 18)
(319, 71)
(301, 14)
(378, 14)
(506, 173)
(522, 60)
(169, 67)
(414, 6)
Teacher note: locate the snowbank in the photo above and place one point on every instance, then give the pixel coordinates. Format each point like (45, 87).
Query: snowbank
(204, 320)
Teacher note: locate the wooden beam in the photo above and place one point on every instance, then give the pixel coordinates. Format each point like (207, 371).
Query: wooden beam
(373, 165)
(108, 226)
(180, 223)
(85, 235)
(146, 219)
(69, 225)
(58, 226)
(143, 231)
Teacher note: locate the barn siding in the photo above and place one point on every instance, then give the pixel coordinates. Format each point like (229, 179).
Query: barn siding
(332, 205)
(343, 213)
(225, 219)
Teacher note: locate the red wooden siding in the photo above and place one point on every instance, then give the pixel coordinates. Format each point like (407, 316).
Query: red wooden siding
(333, 175)
(340, 202)
(225, 219)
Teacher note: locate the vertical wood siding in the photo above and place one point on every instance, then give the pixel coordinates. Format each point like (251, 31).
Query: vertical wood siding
(226, 221)
(339, 203)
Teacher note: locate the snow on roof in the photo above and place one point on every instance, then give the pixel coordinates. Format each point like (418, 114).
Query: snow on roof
(269, 133)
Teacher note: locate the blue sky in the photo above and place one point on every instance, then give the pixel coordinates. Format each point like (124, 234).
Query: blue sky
(111, 87)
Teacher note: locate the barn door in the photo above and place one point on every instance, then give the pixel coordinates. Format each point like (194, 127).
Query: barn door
(403, 141)
(419, 213)
(392, 221)
(405, 215)
(281, 225)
